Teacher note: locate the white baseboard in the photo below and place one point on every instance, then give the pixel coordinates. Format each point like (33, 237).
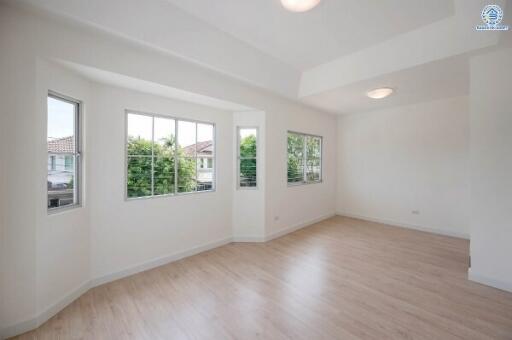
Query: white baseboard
(18, 328)
(158, 262)
(475, 277)
(405, 225)
(249, 239)
(45, 315)
(296, 227)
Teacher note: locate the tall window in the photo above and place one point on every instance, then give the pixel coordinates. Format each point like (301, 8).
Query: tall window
(304, 158)
(63, 146)
(247, 157)
(166, 156)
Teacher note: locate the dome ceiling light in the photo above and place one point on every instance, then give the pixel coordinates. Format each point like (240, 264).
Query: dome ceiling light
(299, 5)
(380, 93)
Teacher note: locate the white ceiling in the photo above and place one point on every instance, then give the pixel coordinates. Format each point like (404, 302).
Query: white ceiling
(326, 58)
(333, 29)
(440, 79)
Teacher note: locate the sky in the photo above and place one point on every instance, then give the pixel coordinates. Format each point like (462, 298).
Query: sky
(245, 132)
(61, 116)
(141, 126)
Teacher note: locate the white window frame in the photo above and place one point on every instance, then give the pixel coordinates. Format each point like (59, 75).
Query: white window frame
(176, 193)
(304, 160)
(77, 180)
(239, 158)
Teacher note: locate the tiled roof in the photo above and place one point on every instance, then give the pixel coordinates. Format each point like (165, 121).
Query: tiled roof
(61, 145)
(202, 148)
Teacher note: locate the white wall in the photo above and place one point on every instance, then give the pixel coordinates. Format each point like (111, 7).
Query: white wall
(491, 169)
(290, 207)
(249, 203)
(63, 238)
(18, 242)
(412, 158)
(130, 233)
(123, 235)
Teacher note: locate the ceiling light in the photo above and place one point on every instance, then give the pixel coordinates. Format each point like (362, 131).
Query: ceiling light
(380, 93)
(299, 5)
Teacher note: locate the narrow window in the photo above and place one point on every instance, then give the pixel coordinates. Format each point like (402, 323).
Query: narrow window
(63, 146)
(166, 156)
(304, 158)
(247, 157)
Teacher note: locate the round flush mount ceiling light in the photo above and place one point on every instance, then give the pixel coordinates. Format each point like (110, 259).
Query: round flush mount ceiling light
(380, 93)
(299, 5)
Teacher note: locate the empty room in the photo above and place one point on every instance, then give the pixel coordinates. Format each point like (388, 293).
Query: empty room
(255, 169)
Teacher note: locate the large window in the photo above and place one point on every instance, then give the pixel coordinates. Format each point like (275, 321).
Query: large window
(166, 156)
(304, 158)
(63, 147)
(247, 157)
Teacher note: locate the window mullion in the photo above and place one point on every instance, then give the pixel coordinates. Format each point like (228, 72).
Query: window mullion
(304, 160)
(176, 157)
(153, 156)
(196, 160)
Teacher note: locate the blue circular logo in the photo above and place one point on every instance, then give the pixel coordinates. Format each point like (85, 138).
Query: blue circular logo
(492, 15)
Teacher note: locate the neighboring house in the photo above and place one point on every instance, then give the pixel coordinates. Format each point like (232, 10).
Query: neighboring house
(61, 171)
(204, 162)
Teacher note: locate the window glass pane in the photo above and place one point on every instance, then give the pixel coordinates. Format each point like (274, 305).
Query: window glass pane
(247, 143)
(164, 175)
(205, 152)
(204, 174)
(247, 161)
(165, 133)
(187, 181)
(186, 139)
(139, 176)
(248, 168)
(295, 158)
(61, 148)
(61, 119)
(313, 163)
(140, 134)
(187, 174)
(164, 161)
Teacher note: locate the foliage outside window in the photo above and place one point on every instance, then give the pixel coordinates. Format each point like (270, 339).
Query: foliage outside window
(63, 148)
(165, 156)
(304, 158)
(247, 157)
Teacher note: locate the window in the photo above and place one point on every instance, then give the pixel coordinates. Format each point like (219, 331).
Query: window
(52, 162)
(166, 156)
(63, 147)
(68, 162)
(304, 158)
(247, 157)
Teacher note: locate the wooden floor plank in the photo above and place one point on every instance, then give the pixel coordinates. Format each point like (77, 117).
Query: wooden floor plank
(341, 278)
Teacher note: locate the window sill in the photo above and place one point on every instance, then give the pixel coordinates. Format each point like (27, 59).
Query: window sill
(129, 199)
(64, 209)
(299, 184)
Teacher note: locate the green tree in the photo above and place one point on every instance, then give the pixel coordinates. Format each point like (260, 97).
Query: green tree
(144, 154)
(297, 145)
(295, 157)
(248, 161)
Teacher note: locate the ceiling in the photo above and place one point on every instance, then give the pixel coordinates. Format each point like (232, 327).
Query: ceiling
(440, 79)
(334, 28)
(326, 58)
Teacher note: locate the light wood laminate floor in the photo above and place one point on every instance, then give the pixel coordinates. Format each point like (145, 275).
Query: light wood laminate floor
(338, 279)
